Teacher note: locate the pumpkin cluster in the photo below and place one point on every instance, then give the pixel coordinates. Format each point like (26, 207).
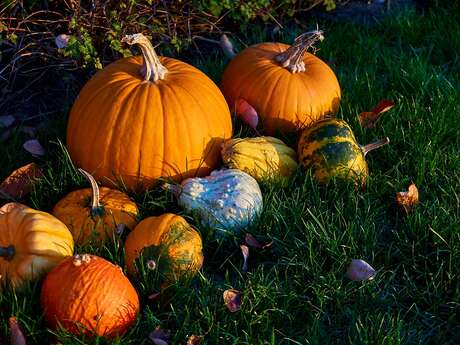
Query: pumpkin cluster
(179, 128)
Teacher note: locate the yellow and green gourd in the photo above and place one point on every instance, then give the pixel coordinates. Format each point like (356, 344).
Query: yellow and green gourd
(261, 157)
(330, 148)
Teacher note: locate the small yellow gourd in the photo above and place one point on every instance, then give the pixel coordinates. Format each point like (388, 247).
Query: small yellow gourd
(261, 157)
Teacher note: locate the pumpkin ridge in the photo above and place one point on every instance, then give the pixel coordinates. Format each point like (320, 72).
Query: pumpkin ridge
(146, 99)
(267, 105)
(74, 121)
(209, 119)
(111, 134)
(120, 159)
(95, 132)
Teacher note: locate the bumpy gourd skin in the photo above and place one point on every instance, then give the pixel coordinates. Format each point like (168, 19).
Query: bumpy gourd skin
(40, 242)
(171, 239)
(228, 200)
(261, 157)
(74, 210)
(330, 149)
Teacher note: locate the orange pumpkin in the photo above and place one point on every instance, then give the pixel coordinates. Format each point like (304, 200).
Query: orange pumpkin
(168, 243)
(93, 214)
(90, 295)
(288, 87)
(141, 118)
(31, 243)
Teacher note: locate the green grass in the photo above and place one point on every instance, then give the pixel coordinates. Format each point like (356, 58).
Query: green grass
(295, 292)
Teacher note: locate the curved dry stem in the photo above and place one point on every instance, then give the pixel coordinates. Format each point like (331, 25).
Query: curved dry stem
(152, 70)
(96, 207)
(292, 58)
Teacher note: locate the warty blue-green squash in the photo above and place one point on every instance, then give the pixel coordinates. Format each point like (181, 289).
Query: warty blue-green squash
(330, 148)
(227, 200)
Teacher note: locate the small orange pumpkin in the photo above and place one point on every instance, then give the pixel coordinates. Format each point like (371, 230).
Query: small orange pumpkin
(31, 243)
(141, 118)
(90, 295)
(288, 87)
(95, 214)
(167, 243)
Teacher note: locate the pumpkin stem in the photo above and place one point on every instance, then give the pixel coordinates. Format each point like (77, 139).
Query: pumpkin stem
(96, 208)
(375, 145)
(176, 189)
(7, 252)
(292, 58)
(152, 70)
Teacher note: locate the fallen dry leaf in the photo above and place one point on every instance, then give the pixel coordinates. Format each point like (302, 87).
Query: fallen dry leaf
(10, 206)
(247, 113)
(360, 270)
(407, 200)
(7, 120)
(154, 296)
(232, 300)
(62, 40)
(159, 336)
(369, 118)
(17, 337)
(194, 339)
(34, 147)
(252, 241)
(245, 252)
(227, 46)
(21, 181)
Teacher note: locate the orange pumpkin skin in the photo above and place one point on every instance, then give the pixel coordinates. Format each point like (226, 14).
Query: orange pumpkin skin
(90, 295)
(75, 211)
(172, 235)
(35, 241)
(122, 127)
(284, 101)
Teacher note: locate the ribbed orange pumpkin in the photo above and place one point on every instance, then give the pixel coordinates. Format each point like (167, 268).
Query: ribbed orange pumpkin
(288, 87)
(136, 122)
(170, 242)
(86, 294)
(32, 242)
(93, 214)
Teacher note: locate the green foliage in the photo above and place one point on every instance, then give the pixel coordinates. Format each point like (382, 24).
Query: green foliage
(97, 27)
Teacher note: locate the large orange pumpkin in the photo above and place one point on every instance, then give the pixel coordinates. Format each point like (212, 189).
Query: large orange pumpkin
(90, 295)
(288, 87)
(32, 242)
(141, 118)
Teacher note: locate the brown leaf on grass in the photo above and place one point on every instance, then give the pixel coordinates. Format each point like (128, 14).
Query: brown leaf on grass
(154, 296)
(195, 339)
(6, 121)
(34, 147)
(247, 113)
(17, 337)
(232, 300)
(407, 200)
(227, 46)
(10, 206)
(245, 252)
(252, 241)
(369, 118)
(21, 181)
(360, 270)
(159, 336)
